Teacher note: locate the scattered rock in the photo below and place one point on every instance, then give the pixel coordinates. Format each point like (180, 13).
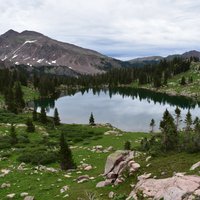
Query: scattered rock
(174, 188)
(111, 195)
(110, 148)
(104, 183)
(5, 185)
(67, 195)
(82, 179)
(85, 166)
(196, 165)
(144, 176)
(4, 172)
(100, 149)
(111, 132)
(24, 194)
(11, 196)
(67, 176)
(149, 164)
(89, 167)
(64, 189)
(29, 198)
(21, 167)
(148, 158)
(46, 169)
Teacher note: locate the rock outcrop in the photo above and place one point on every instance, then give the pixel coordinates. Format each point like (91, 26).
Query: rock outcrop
(117, 163)
(178, 187)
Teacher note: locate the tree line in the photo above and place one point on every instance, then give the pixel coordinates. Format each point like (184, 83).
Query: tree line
(172, 137)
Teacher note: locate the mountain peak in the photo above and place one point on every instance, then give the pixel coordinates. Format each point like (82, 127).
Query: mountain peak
(10, 33)
(31, 33)
(35, 49)
(193, 53)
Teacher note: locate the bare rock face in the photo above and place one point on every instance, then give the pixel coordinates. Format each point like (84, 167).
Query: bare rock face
(117, 163)
(36, 50)
(178, 187)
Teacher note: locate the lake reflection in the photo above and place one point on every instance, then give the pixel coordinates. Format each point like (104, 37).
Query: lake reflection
(125, 108)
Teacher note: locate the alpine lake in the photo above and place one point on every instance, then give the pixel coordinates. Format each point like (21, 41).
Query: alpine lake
(128, 109)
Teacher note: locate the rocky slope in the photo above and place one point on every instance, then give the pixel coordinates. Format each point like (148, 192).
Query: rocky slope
(35, 49)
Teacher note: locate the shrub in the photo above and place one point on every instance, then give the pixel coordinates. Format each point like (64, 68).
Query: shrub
(127, 145)
(5, 142)
(38, 157)
(23, 139)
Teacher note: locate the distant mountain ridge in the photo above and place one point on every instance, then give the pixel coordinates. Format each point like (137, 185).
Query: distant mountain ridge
(35, 49)
(151, 59)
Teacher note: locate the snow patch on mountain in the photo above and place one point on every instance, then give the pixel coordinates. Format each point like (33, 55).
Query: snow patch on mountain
(40, 60)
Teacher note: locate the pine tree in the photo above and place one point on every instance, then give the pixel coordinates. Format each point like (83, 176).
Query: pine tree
(66, 159)
(169, 132)
(127, 145)
(183, 81)
(91, 120)
(177, 117)
(197, 125)
(18, 95)
(56, 117)
(9, 100)
(34, 115)
(188, 121)
(30, 126)
(152, 125)
(43, 116)
(13, 135)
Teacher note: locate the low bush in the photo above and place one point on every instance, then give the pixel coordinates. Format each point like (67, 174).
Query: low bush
(23, 139)
(38, 157)
(5, 142)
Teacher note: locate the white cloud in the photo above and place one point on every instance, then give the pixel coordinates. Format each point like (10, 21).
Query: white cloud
(122, 28)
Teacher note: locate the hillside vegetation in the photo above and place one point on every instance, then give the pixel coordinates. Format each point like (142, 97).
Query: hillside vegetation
(40, 148)
(174, 86)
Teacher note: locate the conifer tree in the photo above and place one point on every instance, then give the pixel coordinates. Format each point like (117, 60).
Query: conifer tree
(177, 117)
(65, 154)
(183, 81)
(34, 115)
(127, 145)
(18, 96)
(169, 132)
(30, 126)
(188, 121)
(152, 125)
(13, 135)
(56, 117)
(43, 116)
(197, 125)
(91, 120)
(10, 100)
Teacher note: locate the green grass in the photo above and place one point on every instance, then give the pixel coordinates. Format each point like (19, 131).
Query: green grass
(45, 185)
(30, 93)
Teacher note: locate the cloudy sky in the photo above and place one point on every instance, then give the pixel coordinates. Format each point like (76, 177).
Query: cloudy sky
(120, 28)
